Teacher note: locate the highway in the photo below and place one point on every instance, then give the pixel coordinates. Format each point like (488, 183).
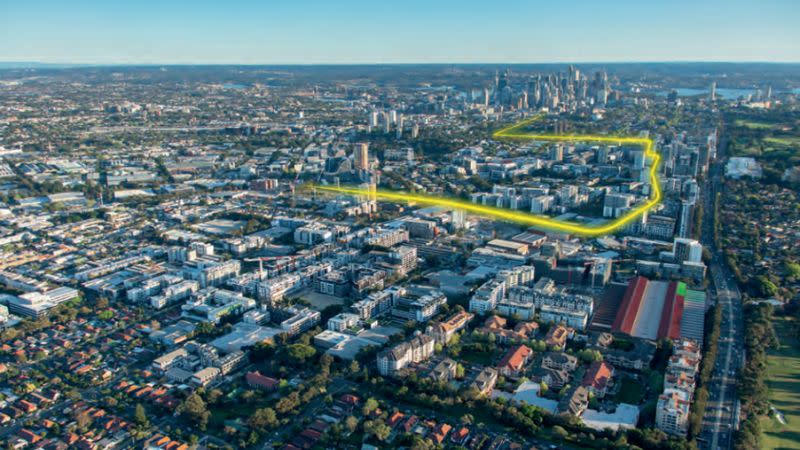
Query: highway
(720, 418)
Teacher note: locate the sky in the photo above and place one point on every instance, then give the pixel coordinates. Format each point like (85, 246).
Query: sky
(396, 31)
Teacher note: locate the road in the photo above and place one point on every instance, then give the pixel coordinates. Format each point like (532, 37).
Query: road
(720, 418)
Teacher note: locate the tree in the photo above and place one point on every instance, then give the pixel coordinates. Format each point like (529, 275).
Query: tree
(299, 353)
(377, 428)
(140, 416)
(351, 423)
(214, 395)
(369, 406)
(418, 443)
(589, 355)
(460, 371)
(263, 418)
(325, 362)
(288, 403)
(205, 329)
(194, 411)
(792, 269)
(262, 351)
(110, 402)
(765, 287)
(559, 431)
(83, 420)
(354, 367)
(101, 303)
(543, 387)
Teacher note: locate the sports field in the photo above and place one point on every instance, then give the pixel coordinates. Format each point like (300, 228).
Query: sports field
(783, 378)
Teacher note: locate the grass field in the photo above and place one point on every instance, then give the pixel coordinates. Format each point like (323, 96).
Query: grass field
(754, 125)
(791, 141)
(783, 378)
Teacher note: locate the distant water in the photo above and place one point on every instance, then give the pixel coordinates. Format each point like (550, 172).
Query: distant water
(234, 86)
(727, 93)
(433, 88)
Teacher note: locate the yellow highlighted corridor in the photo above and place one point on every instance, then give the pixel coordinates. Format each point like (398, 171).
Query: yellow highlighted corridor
(513, 132)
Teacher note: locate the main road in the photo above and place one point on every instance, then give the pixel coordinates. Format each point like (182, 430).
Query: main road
(720, 418)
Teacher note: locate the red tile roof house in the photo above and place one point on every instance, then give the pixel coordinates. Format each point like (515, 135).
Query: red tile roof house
(29, 436)
(349, 400)
(410, 423)
(440, 432)
(515, 360)
(598, 378)
(394, 419)
(256, 380)
(319, 425)
(460, 436)
(26, 406)
(311, 434)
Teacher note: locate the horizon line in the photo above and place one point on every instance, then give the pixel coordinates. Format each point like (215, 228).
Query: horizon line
(23, 63)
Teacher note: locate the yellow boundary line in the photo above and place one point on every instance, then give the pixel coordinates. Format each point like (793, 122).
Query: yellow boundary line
(510, 132)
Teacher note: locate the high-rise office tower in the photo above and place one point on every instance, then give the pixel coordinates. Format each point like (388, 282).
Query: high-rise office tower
(400, 121)
(503, 82)
(712, 91)
(361, 156)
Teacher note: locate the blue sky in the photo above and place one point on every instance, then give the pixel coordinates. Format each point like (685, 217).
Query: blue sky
(399, 31)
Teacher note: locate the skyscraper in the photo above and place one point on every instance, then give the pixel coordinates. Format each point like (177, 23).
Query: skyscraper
(361, 156)
(400, 121)
(503, 81)
(712, 91)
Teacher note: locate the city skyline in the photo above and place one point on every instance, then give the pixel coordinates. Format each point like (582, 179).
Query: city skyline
(357, 32)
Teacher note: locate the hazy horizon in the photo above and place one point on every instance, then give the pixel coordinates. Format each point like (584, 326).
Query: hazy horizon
(357, 32)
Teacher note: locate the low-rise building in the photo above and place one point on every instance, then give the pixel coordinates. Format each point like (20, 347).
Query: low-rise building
(556, 338)
(559, 360)
(598, 378)
(205, 376)
(485, 381)
(443, 331)
(301, 320)
(417, 349)
(343, 321)
(672, 412)
(513, 363)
